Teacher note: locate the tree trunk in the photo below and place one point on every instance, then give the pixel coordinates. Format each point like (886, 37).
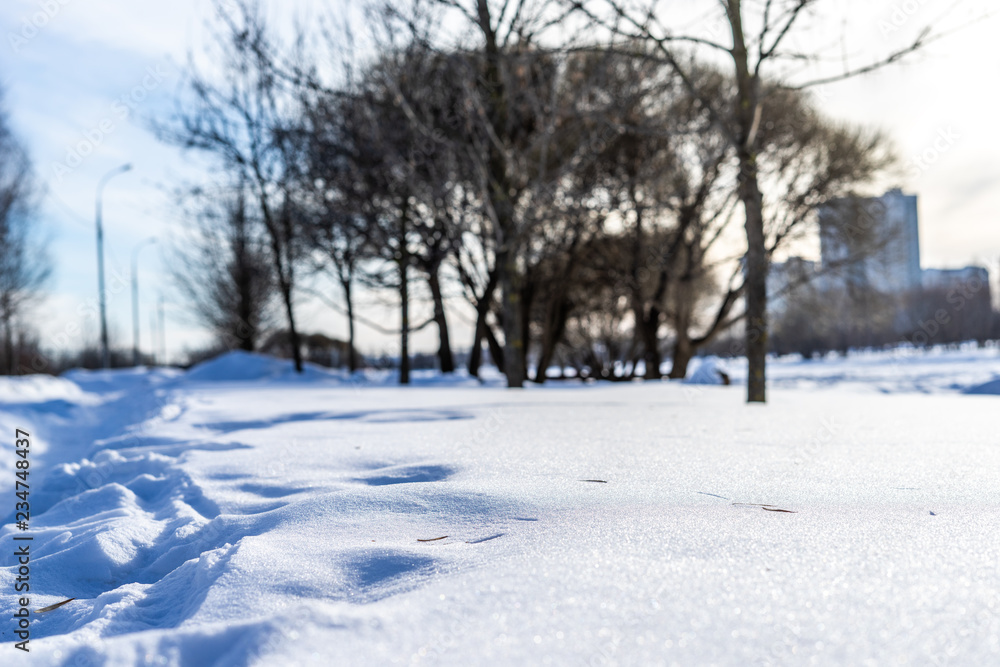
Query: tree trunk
(246, 327)
(683, 352)
(554, 329)
(248, 340)
(756, 280)
(482, 310)
(9, 346)
(293, 333)
(476, 353)
(404, 301)
(748, 112)
(496, 350)
(649, 328)
(445, 357)
(502, 200)
(352, 357)
(283, 267)
(684, 347)
(512, 286)
(527, 302)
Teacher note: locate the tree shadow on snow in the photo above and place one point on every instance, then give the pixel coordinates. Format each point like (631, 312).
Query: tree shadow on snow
(389, 416)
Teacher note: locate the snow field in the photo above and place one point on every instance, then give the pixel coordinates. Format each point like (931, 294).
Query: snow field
(239, 515)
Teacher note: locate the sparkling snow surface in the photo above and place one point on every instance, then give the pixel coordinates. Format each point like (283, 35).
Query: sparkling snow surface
(238, 514)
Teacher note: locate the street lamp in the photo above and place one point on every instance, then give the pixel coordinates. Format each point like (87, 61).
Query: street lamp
(135, 297)
(163, 335)
(105, 356)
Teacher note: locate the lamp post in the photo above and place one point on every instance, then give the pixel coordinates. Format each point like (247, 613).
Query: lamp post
(153, 336)
(163, 335)
(135, 297)
(105, 356)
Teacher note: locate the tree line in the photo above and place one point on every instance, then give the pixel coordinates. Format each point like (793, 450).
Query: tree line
(604, 192)
(587, 197)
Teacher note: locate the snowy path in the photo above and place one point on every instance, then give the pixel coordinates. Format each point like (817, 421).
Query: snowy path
(282, 521)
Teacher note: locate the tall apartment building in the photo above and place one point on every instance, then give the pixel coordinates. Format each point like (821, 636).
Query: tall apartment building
(873, 242)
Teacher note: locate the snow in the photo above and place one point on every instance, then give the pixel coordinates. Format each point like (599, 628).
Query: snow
(903, 370)
(37, 388)
(709, 370)
(246, 366)
(991, 387)
(240, 514)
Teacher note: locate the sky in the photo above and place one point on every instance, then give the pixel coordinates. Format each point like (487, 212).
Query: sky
(82, 78)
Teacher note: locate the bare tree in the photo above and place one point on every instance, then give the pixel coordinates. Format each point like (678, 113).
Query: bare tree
(507, 131)
(519, 129)
(380, 189)
(673, 179)
(245, 120)
(388, 180)
(756, 46)
(24, 266)
(805, 160)
(667, 169)
(221, 265)
(334, 225)
(412, 99)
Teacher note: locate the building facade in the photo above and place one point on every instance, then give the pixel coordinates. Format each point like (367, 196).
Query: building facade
(873, 242)
(868, 288)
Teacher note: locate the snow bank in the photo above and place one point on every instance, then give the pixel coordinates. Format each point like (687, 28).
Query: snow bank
(988, 388)
(710, 370)
(236, 366)
(120, 379)
(902, 370)
(38, 388)
(240, 366)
